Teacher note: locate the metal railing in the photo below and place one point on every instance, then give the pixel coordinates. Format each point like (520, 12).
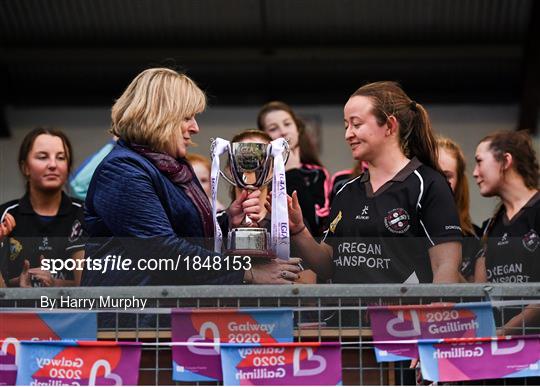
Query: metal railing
(321, 313)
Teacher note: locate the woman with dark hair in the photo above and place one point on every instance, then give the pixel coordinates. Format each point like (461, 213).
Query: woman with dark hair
(452, 162)
(396, 222)
(507, 167)
(47, 222)
(305, 173)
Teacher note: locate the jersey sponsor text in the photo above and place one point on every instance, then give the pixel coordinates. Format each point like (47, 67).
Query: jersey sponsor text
(360, 247)
(360, 260)
(507, 273)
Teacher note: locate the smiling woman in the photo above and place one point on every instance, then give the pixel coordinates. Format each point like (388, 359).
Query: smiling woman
(305, 173)
(45, 223)
(401, 207)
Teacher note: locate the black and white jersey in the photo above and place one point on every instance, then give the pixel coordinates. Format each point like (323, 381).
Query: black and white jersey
(513, 246)
(384, 236)
(35, 236)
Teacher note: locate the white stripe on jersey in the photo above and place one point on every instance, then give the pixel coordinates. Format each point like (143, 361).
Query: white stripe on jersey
(325, 235)
(6, 210)
(347, 183)
(420, 206)
(77, 204)
(421, 188)
(74, 247)
(427, 234)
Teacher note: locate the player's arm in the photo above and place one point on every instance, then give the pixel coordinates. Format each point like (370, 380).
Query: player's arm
(445, 260)
(480, 274)
(317, 255)
(516, 325)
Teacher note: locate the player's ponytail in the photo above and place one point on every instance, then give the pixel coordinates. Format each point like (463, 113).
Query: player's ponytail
(416, 136)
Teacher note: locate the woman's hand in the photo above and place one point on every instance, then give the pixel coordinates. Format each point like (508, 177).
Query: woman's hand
(274, 271)
(7, 226)
(296, 219)
(43, 276)
(247, 204)
(24, 277)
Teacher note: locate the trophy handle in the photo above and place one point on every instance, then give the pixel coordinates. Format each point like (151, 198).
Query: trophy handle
(227, 179)
(212, 147)
(286, 153)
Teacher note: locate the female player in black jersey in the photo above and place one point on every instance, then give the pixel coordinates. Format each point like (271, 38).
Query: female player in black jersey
(45, 223)
(507, 167)
(452, 163)
(396, 222)
(304, 171)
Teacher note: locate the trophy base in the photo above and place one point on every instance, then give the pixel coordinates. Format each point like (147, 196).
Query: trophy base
(249, 241)
(254, 254)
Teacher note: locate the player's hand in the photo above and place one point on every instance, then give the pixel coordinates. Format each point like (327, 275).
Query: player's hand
(43, 276)
(296, 219)
(7, 226)
(247, 204)
(24, 277)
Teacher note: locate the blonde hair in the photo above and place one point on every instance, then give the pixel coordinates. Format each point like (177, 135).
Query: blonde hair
(461, 193)
(151, 110)
(194, 158)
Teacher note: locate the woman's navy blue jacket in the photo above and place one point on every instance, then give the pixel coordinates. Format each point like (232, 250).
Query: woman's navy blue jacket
(134, 211)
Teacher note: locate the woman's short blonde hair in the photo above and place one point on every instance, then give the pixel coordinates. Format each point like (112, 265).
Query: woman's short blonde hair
(151, 110)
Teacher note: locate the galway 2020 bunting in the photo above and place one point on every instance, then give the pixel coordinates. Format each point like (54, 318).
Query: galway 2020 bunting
(281, 364)
(203, 363)
(435, 321)
(83, 363)
(450, 360)
(18, 326)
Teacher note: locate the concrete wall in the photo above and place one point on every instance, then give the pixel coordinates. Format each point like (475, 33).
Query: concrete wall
(87, 129)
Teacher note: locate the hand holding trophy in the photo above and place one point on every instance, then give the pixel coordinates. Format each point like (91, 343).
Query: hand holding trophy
(251, 167)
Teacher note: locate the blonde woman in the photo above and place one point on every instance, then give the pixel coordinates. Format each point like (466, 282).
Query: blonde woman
(145, 201)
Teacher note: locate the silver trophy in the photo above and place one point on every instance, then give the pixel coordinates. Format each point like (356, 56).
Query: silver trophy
(249, 167)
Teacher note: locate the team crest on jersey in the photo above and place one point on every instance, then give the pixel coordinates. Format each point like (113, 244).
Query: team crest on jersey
(76, 231)
(397, 221)
(15, 248)
(335, 222)
(531, 241)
